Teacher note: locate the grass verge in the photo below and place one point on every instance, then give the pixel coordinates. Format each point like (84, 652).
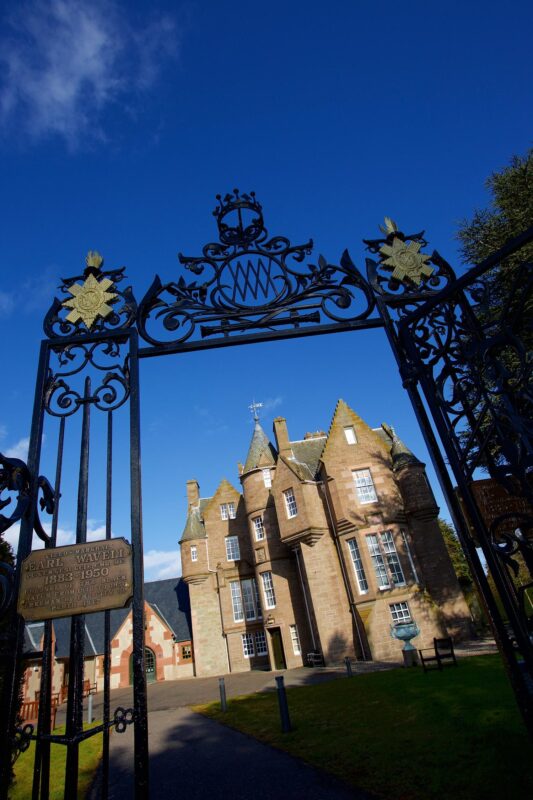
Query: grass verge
(403, 734)
(89, 758)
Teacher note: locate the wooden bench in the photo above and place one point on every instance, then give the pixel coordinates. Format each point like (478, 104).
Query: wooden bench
(29, 713)
(439, 655)
(89, 688)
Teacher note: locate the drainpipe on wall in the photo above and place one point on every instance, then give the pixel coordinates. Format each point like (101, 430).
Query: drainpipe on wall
(346, 581)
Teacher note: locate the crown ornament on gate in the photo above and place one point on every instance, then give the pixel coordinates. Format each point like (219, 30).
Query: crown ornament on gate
(239, 218)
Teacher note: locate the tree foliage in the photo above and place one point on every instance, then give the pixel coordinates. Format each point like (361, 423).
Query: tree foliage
(455, 551)
(506, 308)
(510, 212)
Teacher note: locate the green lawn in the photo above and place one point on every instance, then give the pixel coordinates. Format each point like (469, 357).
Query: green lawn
(402, 733)
(90, 754)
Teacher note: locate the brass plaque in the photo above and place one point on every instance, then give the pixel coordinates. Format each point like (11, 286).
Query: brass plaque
(76, 579)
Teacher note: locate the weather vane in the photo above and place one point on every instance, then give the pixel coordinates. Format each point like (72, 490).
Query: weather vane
(253, 408)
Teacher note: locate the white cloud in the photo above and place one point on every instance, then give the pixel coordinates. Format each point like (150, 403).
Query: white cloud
(20, 449)
(3, 432)
(159, 564)
(68, 61)
(7, 303)
(271, 403)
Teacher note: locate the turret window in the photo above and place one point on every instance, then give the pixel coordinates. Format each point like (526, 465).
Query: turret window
(267, 478)
(259, 528)
(232, 548)
(268, 590)
(227, 511)
(364, 486)
(194, 553)
(290, 503)
(349, 433)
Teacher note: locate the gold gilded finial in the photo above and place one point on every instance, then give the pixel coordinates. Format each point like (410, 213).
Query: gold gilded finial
(389, 227)
(90, 299)
(94, 259)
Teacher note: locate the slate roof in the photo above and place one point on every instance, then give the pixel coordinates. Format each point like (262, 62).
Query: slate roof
(307, 455)
(168, 598)
(260, 450)
(194, 526)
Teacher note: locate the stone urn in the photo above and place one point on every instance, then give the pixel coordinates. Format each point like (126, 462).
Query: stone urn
(405, 631)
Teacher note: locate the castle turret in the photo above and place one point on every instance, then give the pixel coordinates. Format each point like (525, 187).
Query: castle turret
(410, 473)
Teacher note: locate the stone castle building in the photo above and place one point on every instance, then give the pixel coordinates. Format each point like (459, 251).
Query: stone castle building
(331, 540)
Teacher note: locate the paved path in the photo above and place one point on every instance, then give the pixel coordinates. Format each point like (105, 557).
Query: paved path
(196, 758)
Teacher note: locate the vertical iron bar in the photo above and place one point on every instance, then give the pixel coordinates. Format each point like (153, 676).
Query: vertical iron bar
(139, 674)
(107, 627)
(13, 661)
(77, 625)
(41, 773)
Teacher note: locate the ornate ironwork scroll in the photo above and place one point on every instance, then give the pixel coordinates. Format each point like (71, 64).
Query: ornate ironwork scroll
(467, 343)
(251, 287)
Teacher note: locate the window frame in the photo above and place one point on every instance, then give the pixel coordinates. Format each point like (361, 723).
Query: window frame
(358, 566)
(349, 431)
(291, 506)
(232, 546)
(194, 552)
(361, 488)
(268, 591)
(261, 636)
(295, 639)
(236, 601)
(259, 529)
(227, 511)
(398, 610)
(385, 560)
(248, 644)
(267, 477)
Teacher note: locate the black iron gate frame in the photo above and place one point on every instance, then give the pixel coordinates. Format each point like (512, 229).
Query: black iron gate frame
(402, 290)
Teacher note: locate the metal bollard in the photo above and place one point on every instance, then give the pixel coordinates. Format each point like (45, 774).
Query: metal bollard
(90, 709)
(348, 663)
(222, 687)
(283, 706)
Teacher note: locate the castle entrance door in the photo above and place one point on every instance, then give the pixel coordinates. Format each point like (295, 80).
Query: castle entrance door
(277, 648)
(463, 351)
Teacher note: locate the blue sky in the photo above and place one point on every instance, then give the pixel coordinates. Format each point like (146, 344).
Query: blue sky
(120, 122)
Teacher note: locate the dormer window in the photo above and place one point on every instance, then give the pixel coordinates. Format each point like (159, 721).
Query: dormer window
(267, 478)
(349, 433)
(227, 511)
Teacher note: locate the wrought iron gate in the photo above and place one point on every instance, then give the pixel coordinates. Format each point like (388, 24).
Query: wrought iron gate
(467, 372)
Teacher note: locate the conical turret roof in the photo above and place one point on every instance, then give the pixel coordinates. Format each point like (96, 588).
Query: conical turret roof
(401, 455)
(261, 453)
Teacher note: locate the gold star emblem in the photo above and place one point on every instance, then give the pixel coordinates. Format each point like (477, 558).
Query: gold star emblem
(89, 300)
(406, 261)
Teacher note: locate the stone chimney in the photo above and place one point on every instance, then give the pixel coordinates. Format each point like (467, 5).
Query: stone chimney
(193, 493)
(282, 436)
